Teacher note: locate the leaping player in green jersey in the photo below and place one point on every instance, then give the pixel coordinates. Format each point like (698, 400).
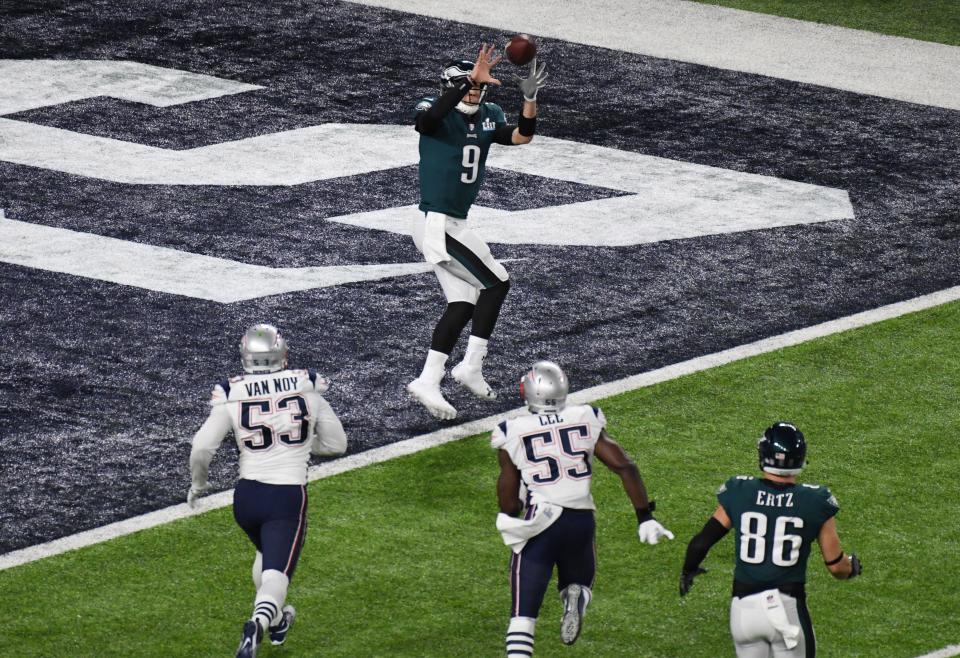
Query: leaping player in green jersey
(777, 520)
(456, 131)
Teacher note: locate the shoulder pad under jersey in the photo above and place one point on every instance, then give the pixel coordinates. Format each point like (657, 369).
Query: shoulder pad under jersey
(598, 412)
(734, 482)
(499, 436)
(220, 393)
(824, 494)
(312, 381)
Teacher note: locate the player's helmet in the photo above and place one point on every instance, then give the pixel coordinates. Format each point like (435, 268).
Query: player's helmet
(455, 71)
(263, 349)
(544, 388)
(782, 449)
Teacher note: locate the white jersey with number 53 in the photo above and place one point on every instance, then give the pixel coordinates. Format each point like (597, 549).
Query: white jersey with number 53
(554, 453)
(278, 419)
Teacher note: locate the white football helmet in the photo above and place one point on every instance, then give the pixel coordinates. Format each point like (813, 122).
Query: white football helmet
(263, 349)
(544, 388)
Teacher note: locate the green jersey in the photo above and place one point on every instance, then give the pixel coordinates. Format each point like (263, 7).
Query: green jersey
(776, 524)
(453, 159)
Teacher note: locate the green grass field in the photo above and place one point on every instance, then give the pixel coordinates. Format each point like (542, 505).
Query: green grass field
(929, 20)
(403, 560)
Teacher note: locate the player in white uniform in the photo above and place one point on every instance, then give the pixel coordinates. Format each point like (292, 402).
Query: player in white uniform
(549, 456)
(278, 418)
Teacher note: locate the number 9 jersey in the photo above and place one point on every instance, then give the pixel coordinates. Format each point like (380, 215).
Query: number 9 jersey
(554, 453)
(278, 419)
(776, 524)
(453, 159)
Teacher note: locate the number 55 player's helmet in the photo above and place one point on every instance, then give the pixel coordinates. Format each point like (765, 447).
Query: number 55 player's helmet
(263, 349)
(544, 388)
(782, 449)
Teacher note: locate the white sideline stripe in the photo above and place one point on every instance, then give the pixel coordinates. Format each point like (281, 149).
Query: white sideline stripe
(813, 53)
(448, 434)
(946, 652)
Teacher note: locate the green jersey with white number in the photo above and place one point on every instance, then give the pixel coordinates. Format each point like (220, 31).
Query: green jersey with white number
(776, 525)
(453, 159)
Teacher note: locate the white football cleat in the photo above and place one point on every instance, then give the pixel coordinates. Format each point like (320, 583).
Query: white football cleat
(574, 599)
(471, 377)
(429, 395)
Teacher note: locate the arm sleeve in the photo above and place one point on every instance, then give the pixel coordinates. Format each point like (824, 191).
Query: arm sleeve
(205, 443)
(329, 437)
(430, 116)
(504, 135)
(712, 532)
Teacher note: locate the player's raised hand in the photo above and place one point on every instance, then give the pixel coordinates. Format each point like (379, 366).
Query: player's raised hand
(534, 82)
(485, 62)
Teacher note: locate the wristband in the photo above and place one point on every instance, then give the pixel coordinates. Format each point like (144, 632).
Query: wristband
(646, 513)
(833, 562)
(526, 126)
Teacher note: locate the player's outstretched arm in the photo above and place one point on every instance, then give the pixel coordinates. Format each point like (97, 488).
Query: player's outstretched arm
(842, 566)
(508, 485)
(205, 443)
(430, 115)
(713, 531)
(534, 82)
(330, 439)
(613, 456)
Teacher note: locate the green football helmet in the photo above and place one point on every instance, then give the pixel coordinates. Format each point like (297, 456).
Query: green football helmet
(454, 72)
(782, 449)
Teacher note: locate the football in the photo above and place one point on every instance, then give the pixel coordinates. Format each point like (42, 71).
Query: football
(521, 49)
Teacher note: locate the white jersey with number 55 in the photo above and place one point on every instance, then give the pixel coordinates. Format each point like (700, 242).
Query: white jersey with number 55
(554, 453)
(278, 419)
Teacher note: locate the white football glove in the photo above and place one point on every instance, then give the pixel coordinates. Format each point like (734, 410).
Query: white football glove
(534, 82)
(650, 532)
(195, 493)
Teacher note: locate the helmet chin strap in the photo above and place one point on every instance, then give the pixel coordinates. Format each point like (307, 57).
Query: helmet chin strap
(467, 108)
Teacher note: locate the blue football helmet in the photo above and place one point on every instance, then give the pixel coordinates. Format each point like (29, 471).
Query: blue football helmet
(263, 349)
(782, 449)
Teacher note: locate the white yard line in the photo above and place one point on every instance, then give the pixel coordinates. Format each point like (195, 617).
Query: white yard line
(853, 60)
(448, 434)
(946, 652)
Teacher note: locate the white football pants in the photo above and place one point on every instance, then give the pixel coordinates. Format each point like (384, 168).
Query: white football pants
(471, 266)
(753, 633)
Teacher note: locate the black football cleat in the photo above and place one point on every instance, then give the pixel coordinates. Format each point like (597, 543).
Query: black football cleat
(278, 633)
(251, 638)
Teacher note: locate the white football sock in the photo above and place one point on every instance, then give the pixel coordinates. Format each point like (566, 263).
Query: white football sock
(435, 367)
(257, 571)
(476, 351)
(267, 608)
(520, 637)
